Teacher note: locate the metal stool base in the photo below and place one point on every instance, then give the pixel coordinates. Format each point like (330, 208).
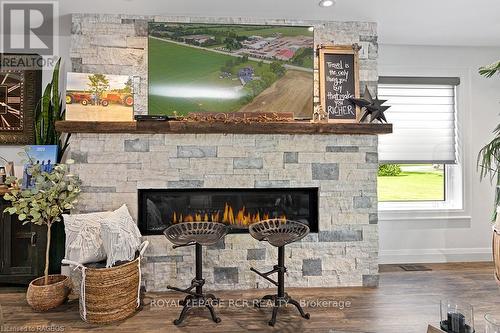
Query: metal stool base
(282, 301)
(196, 298)
(197, 301)
(281, 298)
(197, 234)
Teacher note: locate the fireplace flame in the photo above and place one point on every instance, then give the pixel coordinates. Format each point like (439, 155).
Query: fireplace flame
(243, 217)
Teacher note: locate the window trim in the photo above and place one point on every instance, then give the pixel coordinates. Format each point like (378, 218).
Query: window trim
(458, 176)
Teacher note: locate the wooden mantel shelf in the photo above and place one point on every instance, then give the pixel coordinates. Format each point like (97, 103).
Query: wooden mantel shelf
(183, 127)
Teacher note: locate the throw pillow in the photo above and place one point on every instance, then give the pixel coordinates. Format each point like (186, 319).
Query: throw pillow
(120, 236)
(83, 237)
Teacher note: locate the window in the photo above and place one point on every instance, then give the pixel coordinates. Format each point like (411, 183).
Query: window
(419, 161)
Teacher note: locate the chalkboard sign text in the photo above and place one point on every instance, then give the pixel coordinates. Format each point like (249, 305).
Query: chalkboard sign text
(339, 81)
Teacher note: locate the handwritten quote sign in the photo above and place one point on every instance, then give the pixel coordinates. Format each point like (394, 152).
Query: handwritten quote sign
(339, 82)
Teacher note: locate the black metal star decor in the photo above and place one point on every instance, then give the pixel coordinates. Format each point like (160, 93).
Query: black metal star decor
(371, 106)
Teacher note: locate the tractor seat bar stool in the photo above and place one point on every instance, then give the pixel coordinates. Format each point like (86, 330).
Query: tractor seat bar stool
(279, 232)
(198, 234)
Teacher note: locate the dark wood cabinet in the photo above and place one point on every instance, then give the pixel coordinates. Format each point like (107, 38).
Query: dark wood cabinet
(22, 249)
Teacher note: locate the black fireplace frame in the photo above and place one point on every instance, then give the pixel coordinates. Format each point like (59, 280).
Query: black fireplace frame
(142, 214)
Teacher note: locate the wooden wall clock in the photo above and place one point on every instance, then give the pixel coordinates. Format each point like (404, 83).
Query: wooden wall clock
(20, 91)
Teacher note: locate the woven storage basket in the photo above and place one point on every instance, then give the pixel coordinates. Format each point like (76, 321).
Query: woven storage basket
(496, 253)
(110, 294)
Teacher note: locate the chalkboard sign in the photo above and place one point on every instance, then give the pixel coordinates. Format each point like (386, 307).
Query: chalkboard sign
(339, 81)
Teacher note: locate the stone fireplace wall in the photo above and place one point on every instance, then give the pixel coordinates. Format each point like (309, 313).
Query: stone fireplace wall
(344, 168)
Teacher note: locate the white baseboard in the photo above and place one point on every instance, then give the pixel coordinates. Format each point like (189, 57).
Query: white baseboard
(405, 256)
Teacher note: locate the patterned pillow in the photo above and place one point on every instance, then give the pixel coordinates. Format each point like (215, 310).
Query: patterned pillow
(83, 237)
(120, 236)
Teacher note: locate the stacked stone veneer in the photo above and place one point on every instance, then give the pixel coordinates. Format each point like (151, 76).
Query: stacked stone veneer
(343, 167)
(117, 44)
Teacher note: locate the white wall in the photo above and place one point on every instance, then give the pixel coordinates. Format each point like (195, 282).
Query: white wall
(448, 238)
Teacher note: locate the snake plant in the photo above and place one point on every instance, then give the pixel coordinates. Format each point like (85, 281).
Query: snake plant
(48, 111)
(488, 160)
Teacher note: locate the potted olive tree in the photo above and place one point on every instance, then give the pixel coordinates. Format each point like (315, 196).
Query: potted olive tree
(488, 163)
(53, 193)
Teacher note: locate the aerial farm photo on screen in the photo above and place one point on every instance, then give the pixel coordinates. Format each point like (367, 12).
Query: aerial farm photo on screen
(230, 68)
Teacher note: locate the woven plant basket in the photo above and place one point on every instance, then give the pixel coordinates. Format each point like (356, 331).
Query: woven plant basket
(496, 253)
(110, 294)
(43, 297)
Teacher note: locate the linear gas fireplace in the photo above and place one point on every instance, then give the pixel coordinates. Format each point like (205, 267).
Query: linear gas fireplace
(238, 208)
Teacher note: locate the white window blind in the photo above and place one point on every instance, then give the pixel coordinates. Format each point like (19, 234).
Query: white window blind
(424, 120)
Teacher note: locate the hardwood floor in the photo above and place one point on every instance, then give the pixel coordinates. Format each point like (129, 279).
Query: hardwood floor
(405, 302)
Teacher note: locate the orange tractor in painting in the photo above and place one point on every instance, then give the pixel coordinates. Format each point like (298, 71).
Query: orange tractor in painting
(106, 98)
(78, 97)
(116, 98)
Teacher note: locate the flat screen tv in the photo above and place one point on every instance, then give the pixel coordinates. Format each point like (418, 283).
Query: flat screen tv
(230, 68)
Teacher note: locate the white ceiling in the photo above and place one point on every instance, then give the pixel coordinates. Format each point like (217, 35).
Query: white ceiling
(421, 22)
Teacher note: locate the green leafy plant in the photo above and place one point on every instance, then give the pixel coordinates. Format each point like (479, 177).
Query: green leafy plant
(488, 163)
(54, 192)
(488, 159)
(490, 70)
(48, 111)
(389, 170)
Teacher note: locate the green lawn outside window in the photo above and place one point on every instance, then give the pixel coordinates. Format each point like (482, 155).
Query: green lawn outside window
(416, 182)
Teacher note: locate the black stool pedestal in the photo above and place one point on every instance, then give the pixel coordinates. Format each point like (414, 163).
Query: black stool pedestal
(196, 298)
(281, 298)
(279, 232)
(197, 234)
